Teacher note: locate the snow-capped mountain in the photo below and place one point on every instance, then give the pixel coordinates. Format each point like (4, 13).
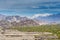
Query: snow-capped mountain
(8, 21)
(13, 18)
(41, 19)
(48, 18)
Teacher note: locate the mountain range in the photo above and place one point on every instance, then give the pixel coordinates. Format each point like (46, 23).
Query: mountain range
(12, 21)
(9, 21)
(50, 19)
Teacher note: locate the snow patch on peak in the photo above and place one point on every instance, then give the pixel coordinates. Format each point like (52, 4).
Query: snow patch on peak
(42, 15)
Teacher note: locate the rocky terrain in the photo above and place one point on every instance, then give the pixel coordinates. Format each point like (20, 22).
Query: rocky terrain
(11, 21)
(10, 34)
(18, 21)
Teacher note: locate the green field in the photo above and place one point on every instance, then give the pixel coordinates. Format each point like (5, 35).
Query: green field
(55, 29)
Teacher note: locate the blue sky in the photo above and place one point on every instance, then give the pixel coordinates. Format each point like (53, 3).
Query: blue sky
(29, 7)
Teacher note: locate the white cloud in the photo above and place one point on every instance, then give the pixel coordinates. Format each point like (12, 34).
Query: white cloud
(35, 7)
(42, 15)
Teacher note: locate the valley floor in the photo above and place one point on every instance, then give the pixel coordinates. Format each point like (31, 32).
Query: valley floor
(9, 34)
(44, 32)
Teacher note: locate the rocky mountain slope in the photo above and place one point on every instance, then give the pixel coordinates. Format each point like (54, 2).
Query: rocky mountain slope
(12, 21)
(18, 21)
